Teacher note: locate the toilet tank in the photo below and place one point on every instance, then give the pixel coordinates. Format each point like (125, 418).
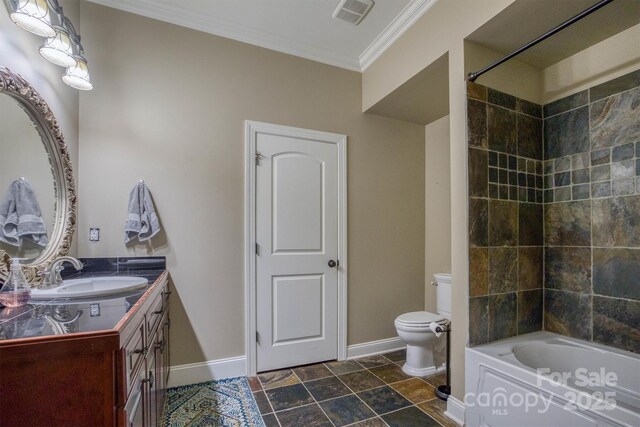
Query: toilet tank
(443, 298)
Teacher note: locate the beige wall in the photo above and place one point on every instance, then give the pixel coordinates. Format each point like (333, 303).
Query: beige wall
(422, 99)
(169, 106)
(445, 24)
(19, 53)
(437, 205)
(611, 58)
(514, 77)
(459, 219)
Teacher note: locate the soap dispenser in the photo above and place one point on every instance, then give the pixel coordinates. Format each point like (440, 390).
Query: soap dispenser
(16, 290)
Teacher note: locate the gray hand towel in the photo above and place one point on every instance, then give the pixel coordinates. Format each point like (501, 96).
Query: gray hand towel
(20, 216)
(142, 221)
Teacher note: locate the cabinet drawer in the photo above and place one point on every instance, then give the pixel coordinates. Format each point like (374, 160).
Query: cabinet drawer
(154, 315)
(134, 352)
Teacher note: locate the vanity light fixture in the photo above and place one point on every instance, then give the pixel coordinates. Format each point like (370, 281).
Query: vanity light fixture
(62, 47)
(33, 16)
(59, 48)
(77, 75)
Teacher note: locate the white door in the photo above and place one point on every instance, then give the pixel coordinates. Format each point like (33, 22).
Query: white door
(297, 248)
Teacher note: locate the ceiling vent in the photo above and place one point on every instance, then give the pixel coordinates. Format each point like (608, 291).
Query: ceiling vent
(353, 11)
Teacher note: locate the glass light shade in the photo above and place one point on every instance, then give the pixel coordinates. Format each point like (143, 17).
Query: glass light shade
(77, 75)
(33, 16)
(59, 49)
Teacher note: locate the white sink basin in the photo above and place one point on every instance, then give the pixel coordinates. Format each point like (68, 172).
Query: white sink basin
(90, 287)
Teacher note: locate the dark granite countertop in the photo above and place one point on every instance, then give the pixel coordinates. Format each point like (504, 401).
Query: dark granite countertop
(66, 316)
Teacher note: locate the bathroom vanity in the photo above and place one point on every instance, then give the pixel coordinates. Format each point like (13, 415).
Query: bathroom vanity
(91, 362)
(90, 352)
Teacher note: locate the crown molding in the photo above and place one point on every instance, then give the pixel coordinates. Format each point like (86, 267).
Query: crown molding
(409, 15)
(231, 30)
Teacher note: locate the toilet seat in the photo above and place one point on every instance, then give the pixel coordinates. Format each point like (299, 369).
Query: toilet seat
(418, 320)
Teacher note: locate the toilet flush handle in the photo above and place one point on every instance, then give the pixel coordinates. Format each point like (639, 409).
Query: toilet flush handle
(434, 283)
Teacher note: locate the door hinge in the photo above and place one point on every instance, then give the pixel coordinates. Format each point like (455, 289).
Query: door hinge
(259, 157)
(257, 249)
(258, 337)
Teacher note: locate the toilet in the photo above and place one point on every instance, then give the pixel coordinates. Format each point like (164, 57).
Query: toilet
(414, 330)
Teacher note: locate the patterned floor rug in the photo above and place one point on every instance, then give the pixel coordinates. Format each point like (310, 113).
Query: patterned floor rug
(225, 403)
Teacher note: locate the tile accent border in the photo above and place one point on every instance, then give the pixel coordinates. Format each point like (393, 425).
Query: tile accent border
(604, 172)
(515, 178)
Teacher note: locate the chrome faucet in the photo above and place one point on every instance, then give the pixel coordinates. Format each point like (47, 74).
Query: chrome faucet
(52, 276)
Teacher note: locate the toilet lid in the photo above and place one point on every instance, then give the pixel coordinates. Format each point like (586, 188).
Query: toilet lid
(419, 318)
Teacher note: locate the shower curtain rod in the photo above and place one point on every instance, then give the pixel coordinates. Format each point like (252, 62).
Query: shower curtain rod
(473, 76)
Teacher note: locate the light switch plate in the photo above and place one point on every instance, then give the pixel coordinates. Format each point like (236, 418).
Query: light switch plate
(94, 234)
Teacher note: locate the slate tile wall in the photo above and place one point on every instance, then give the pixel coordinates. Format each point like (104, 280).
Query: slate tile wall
(554, 214)
(506, 215)
(592, 214)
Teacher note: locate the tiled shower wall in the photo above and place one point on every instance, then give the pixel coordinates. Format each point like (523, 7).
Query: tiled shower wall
(506, 215)
(592, 214)
(554, 203)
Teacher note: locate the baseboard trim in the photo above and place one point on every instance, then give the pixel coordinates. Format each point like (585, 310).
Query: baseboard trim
(374, 347)
(194, 373)
(455, 410)
(219, 369)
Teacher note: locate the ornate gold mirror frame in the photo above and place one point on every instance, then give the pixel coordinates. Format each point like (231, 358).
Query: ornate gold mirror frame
(65, 190)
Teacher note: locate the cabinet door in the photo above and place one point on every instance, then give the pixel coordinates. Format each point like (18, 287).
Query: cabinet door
(135, 409)
(160, 349)
(151, 383)
(166, 356)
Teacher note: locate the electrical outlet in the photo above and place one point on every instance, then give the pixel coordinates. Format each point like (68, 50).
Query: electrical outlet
(94, 234)
(94, 310)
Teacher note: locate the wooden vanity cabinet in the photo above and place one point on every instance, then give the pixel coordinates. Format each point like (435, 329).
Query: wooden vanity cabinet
(146, 362)
(115, 377)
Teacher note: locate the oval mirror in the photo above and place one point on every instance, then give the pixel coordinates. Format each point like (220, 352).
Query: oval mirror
(37, 192)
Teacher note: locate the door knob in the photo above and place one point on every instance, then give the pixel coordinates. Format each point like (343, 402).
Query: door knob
(333, 263)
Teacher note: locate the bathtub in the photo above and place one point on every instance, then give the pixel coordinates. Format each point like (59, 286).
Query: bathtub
(546, 379)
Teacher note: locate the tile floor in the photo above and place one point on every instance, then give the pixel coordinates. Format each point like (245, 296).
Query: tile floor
(368, 392)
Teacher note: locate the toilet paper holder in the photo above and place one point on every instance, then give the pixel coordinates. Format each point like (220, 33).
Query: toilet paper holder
(444, 391)
(439, 328)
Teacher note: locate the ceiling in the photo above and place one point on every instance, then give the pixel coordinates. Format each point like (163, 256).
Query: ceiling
(299, 27)
(524, 20)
